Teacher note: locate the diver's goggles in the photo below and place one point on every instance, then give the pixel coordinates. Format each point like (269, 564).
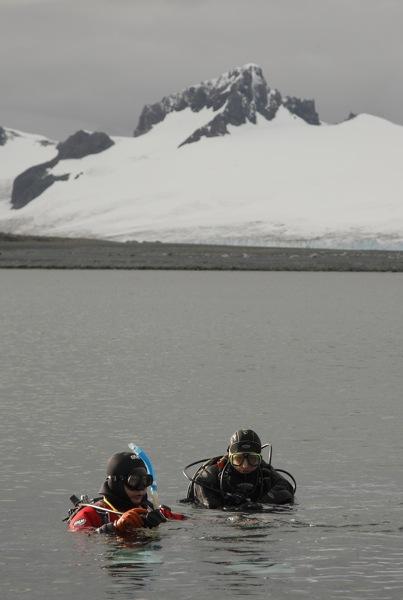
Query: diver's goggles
(135, 481)
(253, 458)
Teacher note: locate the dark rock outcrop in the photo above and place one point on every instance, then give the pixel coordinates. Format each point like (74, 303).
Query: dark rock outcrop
(34, 181)
(82, 144)
(305, 109)
(3, 136)
(215, 128)
(150, 115)
(237, 97)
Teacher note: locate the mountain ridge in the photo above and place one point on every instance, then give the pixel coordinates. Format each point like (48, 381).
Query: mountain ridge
(235, 97)
(265, 181)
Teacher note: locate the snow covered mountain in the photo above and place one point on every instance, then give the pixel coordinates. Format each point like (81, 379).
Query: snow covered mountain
(235, 98)
(227, 161)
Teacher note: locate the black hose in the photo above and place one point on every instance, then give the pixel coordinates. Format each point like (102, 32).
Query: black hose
(196, 462)
(290, 476)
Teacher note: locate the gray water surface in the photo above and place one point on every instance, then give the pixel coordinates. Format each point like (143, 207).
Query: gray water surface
(177, 361)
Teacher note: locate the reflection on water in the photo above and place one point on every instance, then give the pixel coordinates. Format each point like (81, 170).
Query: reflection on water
(261, 566)
(347, 560)
(132, 564)
(176, 362)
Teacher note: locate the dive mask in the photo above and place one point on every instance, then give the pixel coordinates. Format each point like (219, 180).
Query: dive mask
(253, 458)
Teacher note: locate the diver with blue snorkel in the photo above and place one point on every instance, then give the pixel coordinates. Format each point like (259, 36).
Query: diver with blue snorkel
(128, 500)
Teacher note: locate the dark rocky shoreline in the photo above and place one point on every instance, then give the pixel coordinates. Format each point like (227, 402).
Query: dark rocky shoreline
(21, 252)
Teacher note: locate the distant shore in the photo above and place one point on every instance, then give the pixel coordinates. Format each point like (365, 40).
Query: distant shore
(23, 252)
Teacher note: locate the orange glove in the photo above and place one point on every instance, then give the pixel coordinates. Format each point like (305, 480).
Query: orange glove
(131, 519)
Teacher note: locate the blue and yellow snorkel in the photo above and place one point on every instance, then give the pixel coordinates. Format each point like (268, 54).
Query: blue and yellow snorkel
(153, 493)
(142, 454)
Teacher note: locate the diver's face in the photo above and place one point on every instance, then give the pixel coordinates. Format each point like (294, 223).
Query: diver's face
(243, 465)
(135, 496)
(245, 468)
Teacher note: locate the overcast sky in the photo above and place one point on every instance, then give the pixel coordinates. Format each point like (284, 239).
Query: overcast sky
(93, 64)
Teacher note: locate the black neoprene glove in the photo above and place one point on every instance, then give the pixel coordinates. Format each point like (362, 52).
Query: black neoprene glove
(234, 499)
(278, 497)
(108, 528)
(153, 519)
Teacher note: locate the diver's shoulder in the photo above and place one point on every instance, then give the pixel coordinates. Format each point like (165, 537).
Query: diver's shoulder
(209, 472)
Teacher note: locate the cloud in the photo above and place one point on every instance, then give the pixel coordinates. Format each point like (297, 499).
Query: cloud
(107, 58)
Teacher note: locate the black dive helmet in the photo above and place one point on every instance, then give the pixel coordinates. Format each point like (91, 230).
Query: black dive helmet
(244, 440)
(124, 468)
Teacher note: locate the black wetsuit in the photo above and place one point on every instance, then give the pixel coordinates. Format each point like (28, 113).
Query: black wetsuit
(219, 485)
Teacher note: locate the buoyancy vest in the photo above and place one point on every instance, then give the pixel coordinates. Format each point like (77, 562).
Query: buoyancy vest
(89, 517)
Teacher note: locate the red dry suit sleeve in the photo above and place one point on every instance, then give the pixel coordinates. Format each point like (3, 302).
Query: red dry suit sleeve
(86, 518)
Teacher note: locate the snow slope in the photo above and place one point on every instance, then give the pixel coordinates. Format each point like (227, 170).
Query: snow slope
(21, 150)
(279, 182)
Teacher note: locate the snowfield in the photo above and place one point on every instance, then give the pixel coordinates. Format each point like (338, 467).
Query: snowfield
(280, 182)
(21, 151)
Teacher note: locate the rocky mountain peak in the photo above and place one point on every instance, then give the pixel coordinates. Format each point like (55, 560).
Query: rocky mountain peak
(235, 97)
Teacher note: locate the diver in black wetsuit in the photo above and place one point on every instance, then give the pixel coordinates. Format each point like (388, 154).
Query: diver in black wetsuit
(239, 479)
